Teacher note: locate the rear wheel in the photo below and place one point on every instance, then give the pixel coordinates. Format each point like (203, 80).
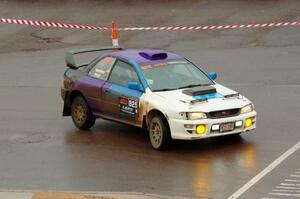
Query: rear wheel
(159, 133)
(82, 115)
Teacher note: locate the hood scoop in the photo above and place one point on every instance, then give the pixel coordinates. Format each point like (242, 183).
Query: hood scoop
(203, 90)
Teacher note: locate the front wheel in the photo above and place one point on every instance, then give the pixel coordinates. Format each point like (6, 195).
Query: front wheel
(82, 116)
(159, 133)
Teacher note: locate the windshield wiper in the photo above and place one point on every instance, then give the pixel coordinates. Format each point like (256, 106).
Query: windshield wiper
(193, 85)
(164, 89)
(187, 86)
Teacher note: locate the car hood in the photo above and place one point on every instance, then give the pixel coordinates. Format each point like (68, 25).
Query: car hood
(215, 101)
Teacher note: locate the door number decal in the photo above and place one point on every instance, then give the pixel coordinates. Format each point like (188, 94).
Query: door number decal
(128, 106)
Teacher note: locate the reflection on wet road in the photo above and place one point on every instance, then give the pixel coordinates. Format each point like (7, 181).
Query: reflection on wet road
(202, 168)
(206, 172)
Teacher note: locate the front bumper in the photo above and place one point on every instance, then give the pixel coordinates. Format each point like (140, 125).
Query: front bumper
(180, 132)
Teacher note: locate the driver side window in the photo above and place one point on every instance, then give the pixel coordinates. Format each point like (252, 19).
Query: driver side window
(122, 73)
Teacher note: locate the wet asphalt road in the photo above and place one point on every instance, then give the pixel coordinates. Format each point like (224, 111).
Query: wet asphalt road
(41, 150)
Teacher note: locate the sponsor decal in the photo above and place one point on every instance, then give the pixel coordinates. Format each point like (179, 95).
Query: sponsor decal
(153, 65)
(150, 81)
(100, 71)
(208, 96)
(161, 64)
(146, 67)
(108, 60)
(128, 106)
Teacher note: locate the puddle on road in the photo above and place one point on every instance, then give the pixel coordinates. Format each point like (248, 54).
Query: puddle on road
(36, 137)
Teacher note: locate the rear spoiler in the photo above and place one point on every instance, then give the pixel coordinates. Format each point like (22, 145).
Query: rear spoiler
(69, 57)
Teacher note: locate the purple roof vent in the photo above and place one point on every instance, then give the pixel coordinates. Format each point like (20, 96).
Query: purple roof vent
(154, 54)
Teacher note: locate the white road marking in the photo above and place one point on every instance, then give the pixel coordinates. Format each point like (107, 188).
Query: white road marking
(282, 190)
(290, 180)
(288, 184)
(264, 172)
(283, 187)
(297, 172)
(297, 176)
(281, 194)
(286, 194)
(269, 198)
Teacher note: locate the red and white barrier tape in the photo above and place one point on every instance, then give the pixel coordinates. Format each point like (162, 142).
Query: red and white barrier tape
(50, 24)
(211, 27)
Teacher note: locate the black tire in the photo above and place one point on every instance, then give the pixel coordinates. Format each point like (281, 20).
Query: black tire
(159, 133)
(81, 113)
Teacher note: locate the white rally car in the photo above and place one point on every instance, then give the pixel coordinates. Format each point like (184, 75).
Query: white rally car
(159, 91)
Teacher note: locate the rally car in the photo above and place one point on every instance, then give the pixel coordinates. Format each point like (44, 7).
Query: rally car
(161, 92)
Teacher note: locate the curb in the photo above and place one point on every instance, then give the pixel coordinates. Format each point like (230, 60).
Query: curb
(23, 194)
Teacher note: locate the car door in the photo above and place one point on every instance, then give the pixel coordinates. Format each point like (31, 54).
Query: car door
(91, 85)
(120, 102)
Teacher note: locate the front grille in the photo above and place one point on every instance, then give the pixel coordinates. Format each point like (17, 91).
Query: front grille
(224, 113)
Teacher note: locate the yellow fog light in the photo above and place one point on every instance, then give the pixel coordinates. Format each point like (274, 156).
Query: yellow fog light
(248, 122)
(200, 129)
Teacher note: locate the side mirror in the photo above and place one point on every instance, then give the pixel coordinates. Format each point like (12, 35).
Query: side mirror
(213, 75)
(135, 86)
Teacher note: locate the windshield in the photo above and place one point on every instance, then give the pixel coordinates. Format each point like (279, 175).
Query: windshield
(173, 75)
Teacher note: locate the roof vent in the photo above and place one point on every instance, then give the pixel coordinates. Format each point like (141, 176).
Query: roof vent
(154, 54)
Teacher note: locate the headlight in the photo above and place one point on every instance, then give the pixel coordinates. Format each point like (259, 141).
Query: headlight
(247, 109)
(193, 115)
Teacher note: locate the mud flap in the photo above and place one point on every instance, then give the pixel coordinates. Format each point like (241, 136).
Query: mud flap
(66, 110)
(67, 107)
